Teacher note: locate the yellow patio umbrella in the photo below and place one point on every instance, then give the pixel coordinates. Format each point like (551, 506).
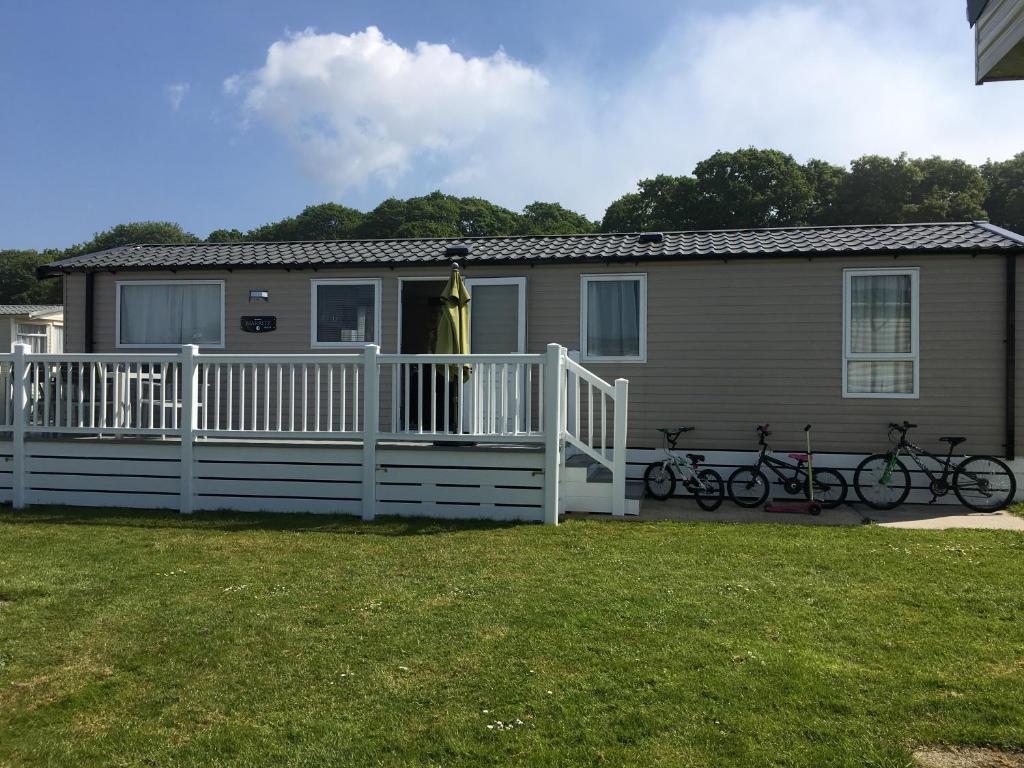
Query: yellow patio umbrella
(453, 322)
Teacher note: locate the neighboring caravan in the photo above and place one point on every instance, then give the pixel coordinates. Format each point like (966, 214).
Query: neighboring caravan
(40, 326)
(844, 327)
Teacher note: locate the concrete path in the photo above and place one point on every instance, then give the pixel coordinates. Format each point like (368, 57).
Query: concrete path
(923, 516)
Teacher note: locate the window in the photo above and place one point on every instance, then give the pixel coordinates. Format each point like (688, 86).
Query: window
(171, 313)
(345, 313)
(880, 328)
(33, 335)
(613, 318)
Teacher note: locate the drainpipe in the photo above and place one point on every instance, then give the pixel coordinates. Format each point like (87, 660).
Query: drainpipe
(1011, 355)
(88, 319)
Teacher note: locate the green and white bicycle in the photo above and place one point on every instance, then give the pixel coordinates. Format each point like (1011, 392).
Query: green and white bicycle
(982, 483)
(660, 476)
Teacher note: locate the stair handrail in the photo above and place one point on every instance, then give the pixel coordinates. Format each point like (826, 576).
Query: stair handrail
(618, 393)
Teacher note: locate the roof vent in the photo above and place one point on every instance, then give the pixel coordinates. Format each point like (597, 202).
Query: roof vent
(457, 250)
(650, 237)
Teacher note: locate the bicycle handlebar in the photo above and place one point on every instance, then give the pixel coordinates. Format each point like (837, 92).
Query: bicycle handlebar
(902, 427)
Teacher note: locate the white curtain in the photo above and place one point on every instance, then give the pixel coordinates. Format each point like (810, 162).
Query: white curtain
(613, 318)
(881, 322)
(34, 336)
(170, 315)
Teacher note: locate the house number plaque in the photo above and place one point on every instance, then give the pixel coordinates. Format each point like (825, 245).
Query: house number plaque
(259, 323)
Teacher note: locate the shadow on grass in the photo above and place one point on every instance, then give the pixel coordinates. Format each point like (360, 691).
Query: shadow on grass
(244, 522)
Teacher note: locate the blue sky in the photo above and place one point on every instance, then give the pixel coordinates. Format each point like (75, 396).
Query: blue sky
(232, 114)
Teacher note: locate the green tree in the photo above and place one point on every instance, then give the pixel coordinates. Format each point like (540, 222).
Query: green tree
(824, 180)
(664, 203)
(225, 236)
(134, 233)
(1005, 200)
(552, 219)
(18, 281)
(948, 190)
(326, 221)
(438, 215)
(878, 189)
(751, 188)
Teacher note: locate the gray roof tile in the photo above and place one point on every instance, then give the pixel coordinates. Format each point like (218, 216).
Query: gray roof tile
(29, 309)
(957, 237)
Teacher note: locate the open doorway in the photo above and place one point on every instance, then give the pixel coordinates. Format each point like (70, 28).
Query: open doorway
(421, 305)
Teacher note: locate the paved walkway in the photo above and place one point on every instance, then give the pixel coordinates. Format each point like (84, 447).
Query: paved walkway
(925, 516)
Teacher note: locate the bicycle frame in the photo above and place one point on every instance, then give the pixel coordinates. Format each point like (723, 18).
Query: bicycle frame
(906, 448)
(766, 460)
(685, 470)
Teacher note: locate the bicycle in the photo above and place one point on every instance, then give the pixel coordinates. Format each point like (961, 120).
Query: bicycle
(749, 486)
(660, 476)
(981, 483)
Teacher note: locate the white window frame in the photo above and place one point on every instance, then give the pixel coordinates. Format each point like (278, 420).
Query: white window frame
(913, 356)
(117, 313)
(314, 284)
(44, 335)
(585, 280)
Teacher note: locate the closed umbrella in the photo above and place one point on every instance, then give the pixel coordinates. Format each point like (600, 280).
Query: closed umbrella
(453, 322)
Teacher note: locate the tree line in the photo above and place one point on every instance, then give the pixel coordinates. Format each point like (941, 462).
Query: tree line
(745, 188)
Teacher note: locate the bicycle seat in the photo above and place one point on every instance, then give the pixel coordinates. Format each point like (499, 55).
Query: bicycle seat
(674, 430)
(953, 441)
(798, 456)
(697, 458)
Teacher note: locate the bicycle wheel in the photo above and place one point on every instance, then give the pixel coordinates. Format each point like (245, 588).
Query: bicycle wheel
(984, 484)
(748, 487)
(829, 488)
(659, 481)
(877, 485)
(709, 490)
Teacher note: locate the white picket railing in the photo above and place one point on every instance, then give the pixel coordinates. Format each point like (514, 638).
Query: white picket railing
(591, 403)
(454, 397)
(544, 399)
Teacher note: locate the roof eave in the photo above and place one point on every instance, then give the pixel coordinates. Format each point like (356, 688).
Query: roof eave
(52, 270)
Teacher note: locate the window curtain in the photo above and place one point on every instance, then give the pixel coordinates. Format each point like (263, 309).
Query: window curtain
(34, 336)
(881, 322)
(170, 315)
(613, 318)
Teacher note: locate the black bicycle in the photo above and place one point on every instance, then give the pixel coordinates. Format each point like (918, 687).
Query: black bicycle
(982, 483)
(749, 486)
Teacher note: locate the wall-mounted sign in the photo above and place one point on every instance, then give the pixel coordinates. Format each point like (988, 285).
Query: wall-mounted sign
(259, 323)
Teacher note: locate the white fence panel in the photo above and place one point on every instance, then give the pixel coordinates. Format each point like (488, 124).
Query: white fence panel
(462, 483)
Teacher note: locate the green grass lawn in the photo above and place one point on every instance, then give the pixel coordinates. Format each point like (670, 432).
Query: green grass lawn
(149, 639)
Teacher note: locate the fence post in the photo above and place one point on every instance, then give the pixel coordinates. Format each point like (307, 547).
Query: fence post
(573, 389)
(554, 406)
(371, 423)
(187, 425)
(19, 404)
(619, 448)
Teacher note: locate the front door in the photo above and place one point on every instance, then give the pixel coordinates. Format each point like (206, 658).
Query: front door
(497, 326)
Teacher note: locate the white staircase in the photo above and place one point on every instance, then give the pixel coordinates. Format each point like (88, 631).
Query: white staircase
(593, 443)
(587, 487)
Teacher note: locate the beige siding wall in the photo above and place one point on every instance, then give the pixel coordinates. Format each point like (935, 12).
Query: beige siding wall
(6, 333)
(729, 344)
(74, 312)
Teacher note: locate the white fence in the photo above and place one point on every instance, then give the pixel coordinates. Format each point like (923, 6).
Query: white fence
(188, 401)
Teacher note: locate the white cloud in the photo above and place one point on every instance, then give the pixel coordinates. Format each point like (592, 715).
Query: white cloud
(822, 80)
(176, 93)
(360, 106)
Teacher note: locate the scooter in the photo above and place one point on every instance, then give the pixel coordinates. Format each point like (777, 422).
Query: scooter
(809, 507)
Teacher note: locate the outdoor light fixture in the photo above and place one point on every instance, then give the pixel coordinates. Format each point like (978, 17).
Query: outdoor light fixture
(259, 295)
